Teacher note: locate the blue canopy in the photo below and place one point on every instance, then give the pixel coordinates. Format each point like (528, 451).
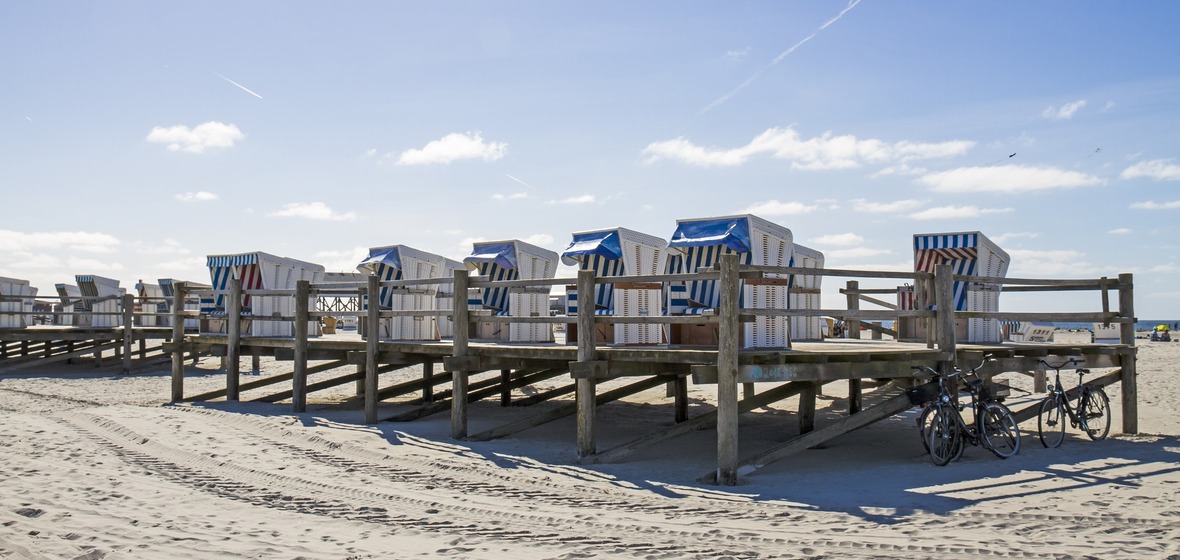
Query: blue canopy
(731, 232)
(502, 253)
(602, 243)
(387, 256)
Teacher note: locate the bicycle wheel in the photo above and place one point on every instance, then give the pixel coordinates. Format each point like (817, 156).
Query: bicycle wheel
(999, 432)
(1051, 421)
(1095, 414)
(942, 435)
(924, 424)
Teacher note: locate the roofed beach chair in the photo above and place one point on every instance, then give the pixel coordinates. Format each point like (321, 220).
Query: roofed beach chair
(150, 305)
(103, 299)
(699, 243)
(969, 254)
(445, 299)
(804, 293)
(618, 252)
(260, 271)
(398, 262)
(1029, 331)
(511, 260)
(73, 310)
(16, 303)
(168, 287)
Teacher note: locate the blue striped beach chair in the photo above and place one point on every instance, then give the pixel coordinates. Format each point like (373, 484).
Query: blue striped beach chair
(398, 262)
(260, 271)
(511, 260)
(619, 252)
(168, 287)
(102, 298)
(699, 244)
(73, 309)
(16, 311)
(969, 254)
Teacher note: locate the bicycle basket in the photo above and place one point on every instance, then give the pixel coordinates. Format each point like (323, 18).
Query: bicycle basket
(994, 392)
(922, 394)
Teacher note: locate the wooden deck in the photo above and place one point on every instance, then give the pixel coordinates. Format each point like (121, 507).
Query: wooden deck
(455, 372)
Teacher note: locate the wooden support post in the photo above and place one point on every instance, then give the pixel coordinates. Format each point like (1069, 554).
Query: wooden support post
(944, 315)
(1039, 383)
(302, 316)
(727, 371)
(855, 396)
(807, 407)
(427, 384)
(505, 388)
(360, 381)
(1130, 391)
(462, 323)
(586, 387)
(680, 392)
(372, 344)
(928, 300)
(852, 294)
(233, 344)
(255, 361)
(747, 390)
(128, 330)
(178, 342)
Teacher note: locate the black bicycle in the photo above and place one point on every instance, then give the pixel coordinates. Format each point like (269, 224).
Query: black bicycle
(1092, 412)
(944, 431)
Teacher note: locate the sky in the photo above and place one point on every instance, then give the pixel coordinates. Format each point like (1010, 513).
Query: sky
(139, 137)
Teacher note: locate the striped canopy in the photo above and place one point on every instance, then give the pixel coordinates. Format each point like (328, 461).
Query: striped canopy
(732, 232)
(604, 244)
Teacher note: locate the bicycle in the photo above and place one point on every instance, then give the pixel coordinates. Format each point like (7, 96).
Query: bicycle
(944, 431)
(1092, 414)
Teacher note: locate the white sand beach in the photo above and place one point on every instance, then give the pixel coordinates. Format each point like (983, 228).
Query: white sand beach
(94, 465)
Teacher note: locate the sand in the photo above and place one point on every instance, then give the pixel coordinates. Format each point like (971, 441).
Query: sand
(97, 465)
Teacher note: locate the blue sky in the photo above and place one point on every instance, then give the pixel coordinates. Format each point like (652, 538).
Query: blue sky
(141, 136)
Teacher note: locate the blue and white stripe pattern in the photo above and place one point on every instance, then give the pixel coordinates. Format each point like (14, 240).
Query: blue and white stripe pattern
(496, 298)
(960, 250)
(701, 292)
(231, 260)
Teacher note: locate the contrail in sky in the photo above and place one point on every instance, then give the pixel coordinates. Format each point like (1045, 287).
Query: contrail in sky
(851, 4)
(519, 181)
(246, 89)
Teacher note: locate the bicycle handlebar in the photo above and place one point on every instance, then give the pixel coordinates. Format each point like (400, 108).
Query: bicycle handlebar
(1071, 361)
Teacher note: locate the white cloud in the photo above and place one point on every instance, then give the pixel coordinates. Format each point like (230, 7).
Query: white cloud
(1158, 169)
(776, 208)
(1119, 231)
(371, 152)
(168, 246)
(900, 169)
(196, 140)
(734, 54)
(1064, 112)
(344, 260)
(89, 266)
(580, 199)
(185, 264)
(1005, 237)
(1006, 179)
(856, 253)
(842, 239)
(862, 205)
(38, 260)
(539, 239)
(452, 147)
(822, 152)
(511, 196)
(311, 211)
(75, 240)
(955, 212)
(194, 196)
(1152, 205)
(1047, 263)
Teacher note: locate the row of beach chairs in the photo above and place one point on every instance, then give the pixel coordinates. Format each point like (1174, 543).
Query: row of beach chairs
(694, 246)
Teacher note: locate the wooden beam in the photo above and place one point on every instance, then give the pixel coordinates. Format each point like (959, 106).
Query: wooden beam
(373, 335)
(699, 422)
(728, 347)
(299, 382)
(462, 322)
(889, 407)
(584, 399)
(565, 410)
(1130, 390)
